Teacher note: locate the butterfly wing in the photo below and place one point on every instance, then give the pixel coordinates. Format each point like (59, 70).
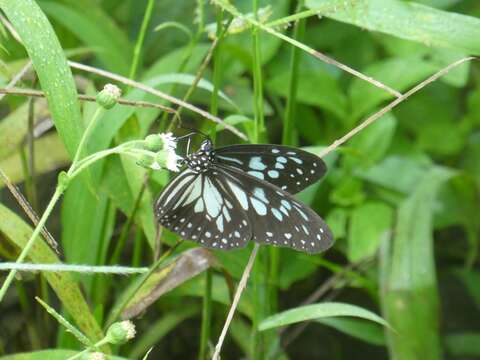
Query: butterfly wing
(275, 217)
(198, 207)
(289, 168)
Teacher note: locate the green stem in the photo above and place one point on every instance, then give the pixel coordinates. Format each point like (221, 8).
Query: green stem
(289, 122)
(11, 275)
(141, 37)
(257, 80)
(86, 134)
(102, 342)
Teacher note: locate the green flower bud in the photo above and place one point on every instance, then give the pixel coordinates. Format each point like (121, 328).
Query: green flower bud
(154, 142)
(108, 96)
(146, 161)
(121, 332)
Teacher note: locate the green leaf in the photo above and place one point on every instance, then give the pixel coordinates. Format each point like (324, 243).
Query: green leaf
(410, 294)
(316, 311)
(372, 144)
(369, 222)
(411, 21)
(56, 354)
(369, 332)
(95, 29)
(51, 67)
(17, 232)
(399, 73)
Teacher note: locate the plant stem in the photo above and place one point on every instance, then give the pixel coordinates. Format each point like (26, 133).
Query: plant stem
(257, 79)
(288, 125)
(11, 275)
(141, 36)
(86, 134)
(102, 342)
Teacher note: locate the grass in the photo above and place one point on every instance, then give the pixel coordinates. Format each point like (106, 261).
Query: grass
(410, 159)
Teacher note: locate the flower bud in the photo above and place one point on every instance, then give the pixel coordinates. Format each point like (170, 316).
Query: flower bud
(154, 142)
(121, 332)
(109, 96)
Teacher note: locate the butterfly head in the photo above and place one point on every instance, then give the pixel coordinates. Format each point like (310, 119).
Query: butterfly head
(201, 160)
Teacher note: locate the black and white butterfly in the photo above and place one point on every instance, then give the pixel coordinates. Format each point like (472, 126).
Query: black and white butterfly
(228, 196)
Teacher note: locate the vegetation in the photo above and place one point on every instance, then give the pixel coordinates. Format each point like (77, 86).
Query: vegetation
(386, 92)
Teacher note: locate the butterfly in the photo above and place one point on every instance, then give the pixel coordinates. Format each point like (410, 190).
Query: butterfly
(228, 196)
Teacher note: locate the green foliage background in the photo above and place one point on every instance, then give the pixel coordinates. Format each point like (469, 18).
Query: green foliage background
(402, 196)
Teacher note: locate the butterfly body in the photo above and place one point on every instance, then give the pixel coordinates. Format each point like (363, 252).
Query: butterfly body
(228, 196)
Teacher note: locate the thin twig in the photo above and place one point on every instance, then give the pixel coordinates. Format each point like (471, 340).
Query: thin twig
(393, 104)
(84, 269)
(41, 94)
(27, 208)
(236, 299)
(17, 77)
(158, 93)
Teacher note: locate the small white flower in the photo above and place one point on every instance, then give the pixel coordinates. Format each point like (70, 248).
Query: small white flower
(169, 141)
(172, 161)
(97, 356)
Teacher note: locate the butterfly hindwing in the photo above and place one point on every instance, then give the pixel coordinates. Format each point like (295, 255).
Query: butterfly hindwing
(276, 218)
(198, 207)
(289, 168)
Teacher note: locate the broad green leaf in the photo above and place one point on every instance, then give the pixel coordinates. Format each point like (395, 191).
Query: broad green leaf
(372, 144)
(317, 311)
(315, 87)
(411, 21)
(54, 354)
(17, 233)
(399, 73)
(51, 66)
(369, 332)
(369, 223)
(410, 295)
(386, 173)
(95, 29)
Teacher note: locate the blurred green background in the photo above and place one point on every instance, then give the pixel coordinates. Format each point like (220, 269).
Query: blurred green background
(402, 197)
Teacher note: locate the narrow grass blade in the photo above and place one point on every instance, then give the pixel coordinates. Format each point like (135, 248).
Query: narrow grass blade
(316, 311)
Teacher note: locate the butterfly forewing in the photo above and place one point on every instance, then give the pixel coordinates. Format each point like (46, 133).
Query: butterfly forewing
(199, 208)
(275, 216)
(290, 169)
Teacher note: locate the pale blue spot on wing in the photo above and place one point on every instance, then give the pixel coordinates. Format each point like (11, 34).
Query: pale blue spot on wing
(220, 223)
(257, 174)
(239, 194)
(282, 159)
(297, 160)
(277, 214)
(259, 193)
(273, 174)
(213, 199)
(199, 207)
(230, 159)
(256, 163)
(259, 207)
(286, 204)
